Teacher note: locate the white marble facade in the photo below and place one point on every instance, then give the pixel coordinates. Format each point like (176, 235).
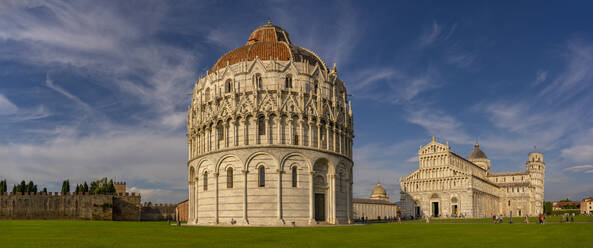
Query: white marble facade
(270, 138)
(447, 185)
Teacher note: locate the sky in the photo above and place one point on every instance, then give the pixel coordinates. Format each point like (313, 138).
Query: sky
(92, 89)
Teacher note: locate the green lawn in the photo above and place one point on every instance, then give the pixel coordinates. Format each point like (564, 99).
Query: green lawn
(409, 234)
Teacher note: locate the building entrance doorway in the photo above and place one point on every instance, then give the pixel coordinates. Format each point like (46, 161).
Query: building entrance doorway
(435, 209)
(417, 212)
(320, 207)
(454, 210)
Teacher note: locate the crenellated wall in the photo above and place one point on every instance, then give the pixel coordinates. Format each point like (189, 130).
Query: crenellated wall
(158, 212)
(74, 206)
(56, 206)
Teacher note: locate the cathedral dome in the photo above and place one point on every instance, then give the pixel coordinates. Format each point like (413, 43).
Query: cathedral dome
(477, 153)
(268, 42)
(379, 192)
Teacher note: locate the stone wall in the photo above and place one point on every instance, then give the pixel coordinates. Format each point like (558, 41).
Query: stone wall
(126, 207)
(56, 206)
(42, 206)
(158, 212)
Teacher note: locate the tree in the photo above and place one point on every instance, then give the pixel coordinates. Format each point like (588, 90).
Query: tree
(30, 186)
(66, 186)
(3, 186)
(85, 187)
(548, 207)
(22, 187)
(102, 186)
(44, 190)
(14, 189)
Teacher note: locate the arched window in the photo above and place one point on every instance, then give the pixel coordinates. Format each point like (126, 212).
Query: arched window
(262, 177)
(288, 82)
(261, 125)
(257, 81)
(229, 178)
(207, 94)
(227, 86)
(294, 176)
(220, 131)
(205, 181)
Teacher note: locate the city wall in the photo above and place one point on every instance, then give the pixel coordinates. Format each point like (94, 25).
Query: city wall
(158, 212)
(71, 206)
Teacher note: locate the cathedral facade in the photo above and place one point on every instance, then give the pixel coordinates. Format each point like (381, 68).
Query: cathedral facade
(270, 138)
(447, 185)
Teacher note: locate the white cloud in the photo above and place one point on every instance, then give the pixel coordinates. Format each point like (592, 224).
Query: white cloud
(540, 77)
(104, 40)
(6, 106)
(439, 124)
(50, 84)
(413, 159)
(140, 157)
(392, 86)
(429, 37)
(580, 168)
(579, 153)
(578, 74)
(461, 59)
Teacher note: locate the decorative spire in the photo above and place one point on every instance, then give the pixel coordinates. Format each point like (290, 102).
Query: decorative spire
(269, 21)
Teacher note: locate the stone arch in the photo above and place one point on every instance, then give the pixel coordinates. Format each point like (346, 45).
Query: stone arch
(204, 165)
(228, 158)
(326, 162)
(260, 155)
(286, 158)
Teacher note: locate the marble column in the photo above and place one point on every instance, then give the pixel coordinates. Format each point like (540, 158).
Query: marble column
(191, 205)
(196, 209)
(279, 196)
(215, 174)
(301, 131)
(268, 135)
(312, 199)
(310, 126)
(245, 221)
(333, 199)
(279, 128)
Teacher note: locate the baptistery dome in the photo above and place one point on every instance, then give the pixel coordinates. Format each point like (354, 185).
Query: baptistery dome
(270, 138)
(268, 42)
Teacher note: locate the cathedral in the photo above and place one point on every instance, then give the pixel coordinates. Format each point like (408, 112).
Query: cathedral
(447, 185)
(269, 134)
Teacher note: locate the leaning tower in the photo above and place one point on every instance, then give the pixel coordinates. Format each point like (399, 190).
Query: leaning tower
(537, 171)
(270, 138)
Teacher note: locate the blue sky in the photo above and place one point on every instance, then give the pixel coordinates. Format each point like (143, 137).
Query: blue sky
(92, 89)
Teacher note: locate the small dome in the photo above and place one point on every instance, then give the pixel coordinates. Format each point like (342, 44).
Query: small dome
(379, 193)
(268, 42)
(477, 153)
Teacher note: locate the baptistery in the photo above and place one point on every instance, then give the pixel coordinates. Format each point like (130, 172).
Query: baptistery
(270, 137)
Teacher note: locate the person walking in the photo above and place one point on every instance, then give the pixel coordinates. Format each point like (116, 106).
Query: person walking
(572, 218)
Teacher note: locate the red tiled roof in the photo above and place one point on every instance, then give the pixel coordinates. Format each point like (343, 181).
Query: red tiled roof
(268, 42)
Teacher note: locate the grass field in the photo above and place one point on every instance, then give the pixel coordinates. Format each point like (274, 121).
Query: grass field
(24, 233)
